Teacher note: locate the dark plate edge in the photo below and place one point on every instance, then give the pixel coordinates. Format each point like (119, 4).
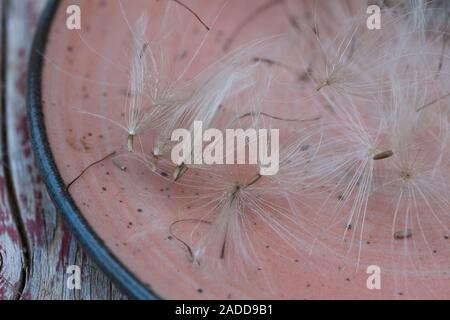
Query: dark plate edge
(56, 187)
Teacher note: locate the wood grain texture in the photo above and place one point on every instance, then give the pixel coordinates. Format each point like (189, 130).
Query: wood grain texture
(35, 246)
(11, 256)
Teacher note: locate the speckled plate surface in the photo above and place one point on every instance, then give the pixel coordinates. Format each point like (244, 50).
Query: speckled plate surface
(123, 218)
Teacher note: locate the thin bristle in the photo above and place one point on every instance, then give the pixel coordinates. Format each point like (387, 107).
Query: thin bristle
(357, 121)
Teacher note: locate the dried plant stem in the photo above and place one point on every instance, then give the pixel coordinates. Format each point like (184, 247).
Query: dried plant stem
(184, 243)
(90, 166)
(433, 102)
(194, 13)
(254, 114)
(272, 62)
(446, 37)
(258, 11)
(441, 60)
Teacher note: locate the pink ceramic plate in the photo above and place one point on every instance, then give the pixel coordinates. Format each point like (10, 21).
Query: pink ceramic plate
(123, 217)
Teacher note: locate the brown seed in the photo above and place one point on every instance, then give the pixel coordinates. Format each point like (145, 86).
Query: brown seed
(383, 155)
(179, 171)
(403, 234)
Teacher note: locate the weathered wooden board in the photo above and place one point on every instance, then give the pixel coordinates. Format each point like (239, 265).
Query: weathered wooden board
(35, 246)
(11, 256)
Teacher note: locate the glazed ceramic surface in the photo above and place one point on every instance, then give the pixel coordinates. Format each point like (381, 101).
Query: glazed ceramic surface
(132, 210)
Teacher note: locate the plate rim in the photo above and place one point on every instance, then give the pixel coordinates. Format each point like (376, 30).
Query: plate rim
(65, 204)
